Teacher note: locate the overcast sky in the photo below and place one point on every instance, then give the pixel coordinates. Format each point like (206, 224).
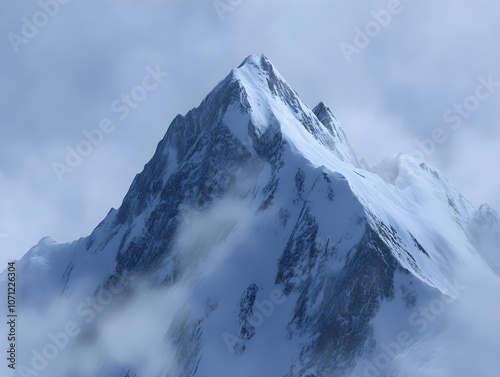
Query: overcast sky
(63, 68)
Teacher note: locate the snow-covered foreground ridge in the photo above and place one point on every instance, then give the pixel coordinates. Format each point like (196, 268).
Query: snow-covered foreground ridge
(254, 244)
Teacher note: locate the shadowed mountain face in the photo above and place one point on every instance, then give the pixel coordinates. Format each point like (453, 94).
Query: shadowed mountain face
(253, 244)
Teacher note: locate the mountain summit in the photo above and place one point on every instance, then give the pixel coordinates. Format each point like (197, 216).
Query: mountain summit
(253, 244)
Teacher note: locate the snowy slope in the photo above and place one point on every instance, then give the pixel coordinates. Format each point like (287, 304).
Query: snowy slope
(253, 244)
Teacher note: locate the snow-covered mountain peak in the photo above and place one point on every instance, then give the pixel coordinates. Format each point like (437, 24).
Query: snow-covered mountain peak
(47, 240)
(485, 232)
(322, 111)
(487, 215)
(285, 254)
(274, 107)
(258, 73)
(253, 105)
(403, 170)
(256, 63)
(341, 145)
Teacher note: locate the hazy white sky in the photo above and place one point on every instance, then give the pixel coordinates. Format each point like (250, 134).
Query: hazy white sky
(65, 67)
